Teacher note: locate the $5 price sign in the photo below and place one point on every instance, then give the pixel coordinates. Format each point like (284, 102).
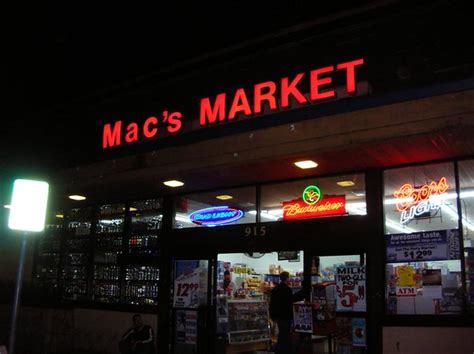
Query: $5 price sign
(350, 294)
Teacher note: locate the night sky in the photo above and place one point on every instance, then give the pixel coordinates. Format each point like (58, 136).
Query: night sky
(64, 52)
(61, 56)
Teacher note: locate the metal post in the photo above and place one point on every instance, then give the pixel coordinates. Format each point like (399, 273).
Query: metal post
(16, 299)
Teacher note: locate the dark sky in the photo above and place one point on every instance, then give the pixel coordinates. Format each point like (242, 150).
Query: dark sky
(63, 51)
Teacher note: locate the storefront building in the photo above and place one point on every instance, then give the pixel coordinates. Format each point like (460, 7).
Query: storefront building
(377, 237)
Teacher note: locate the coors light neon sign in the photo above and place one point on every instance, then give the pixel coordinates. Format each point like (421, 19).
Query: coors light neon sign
(414, 201)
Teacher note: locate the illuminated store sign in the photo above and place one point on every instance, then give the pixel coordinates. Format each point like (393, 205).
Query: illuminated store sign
(274, 95)
(214, 216)
(312, 195)
(314, 205)
(418, 201)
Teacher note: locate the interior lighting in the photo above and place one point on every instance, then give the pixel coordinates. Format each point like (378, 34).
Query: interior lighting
(359, 193)
(306, 164)
(77, 197)
(345, 183)
(224, 197)
(173, 183)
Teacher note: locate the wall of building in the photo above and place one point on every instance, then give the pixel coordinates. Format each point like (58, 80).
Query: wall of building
(422, 340)
(78, 331)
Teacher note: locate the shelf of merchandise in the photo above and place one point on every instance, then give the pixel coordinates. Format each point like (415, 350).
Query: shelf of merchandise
(107, 254)
(470, 276)
(248, 321)
(108, 238)
(141, 269)
(75, 254)
(48, 251)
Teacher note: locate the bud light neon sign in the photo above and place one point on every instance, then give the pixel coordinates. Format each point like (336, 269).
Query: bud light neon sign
(215, 216)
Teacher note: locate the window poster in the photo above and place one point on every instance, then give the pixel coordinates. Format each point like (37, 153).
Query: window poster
(186, 326)
(190, 285)
(358, 332)
(423, 246)
(303, 317)
(350, 288)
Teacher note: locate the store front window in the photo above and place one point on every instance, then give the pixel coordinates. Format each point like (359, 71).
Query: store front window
(466, 181)
(423, 269)
(314, 198)
(216, 208)
(244, 285)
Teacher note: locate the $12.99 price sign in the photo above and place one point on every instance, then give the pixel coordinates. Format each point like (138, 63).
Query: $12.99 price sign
(186, 291)
(417, 254)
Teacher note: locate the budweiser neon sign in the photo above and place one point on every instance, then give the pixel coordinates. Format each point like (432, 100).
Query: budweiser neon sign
(327, 206)
(417, 201)
(274, 95)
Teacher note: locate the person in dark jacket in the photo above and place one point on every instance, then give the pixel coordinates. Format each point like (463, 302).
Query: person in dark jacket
(139, 339)
(281, 311)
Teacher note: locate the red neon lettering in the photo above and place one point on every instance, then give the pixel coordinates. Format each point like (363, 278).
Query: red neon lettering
(209, 114)
(174, 120)
(412, 196)
(132, 133)
(329, 206)
(240, 104)
(150, 133)
(269, 96)
(350, 74)
(290, 89)
(316, 82)
(111, 137)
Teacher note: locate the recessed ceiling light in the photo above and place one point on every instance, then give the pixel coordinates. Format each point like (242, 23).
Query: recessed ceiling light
(306, 164)
(60, 216)
(173, 183)
(224, 197)
(358, 193)
(345, 183)
(7, 206)
(77, 197)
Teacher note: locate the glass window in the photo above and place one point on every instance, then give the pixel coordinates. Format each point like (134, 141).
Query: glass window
(466, 181)
(314, 198)
(421, 198)
(216, 208)
(423, 270)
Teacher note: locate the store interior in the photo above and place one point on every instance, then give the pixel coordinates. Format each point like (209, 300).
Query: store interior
(244, 285)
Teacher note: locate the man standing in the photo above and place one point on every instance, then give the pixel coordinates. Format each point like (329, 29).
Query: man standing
(281, 310)
(138, 339)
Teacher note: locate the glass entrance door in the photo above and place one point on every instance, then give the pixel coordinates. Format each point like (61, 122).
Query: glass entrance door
(190, 297)
(339, 302)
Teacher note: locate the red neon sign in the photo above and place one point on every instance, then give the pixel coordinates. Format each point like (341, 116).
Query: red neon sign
(410, 196)
(276, 95)
(328, 206)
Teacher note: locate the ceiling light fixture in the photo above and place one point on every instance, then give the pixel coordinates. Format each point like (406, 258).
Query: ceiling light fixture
(173, 183)
(306, 164)
(345, 183)
(60, 216)
(359, 193)
(77, 197)
(224, 197)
